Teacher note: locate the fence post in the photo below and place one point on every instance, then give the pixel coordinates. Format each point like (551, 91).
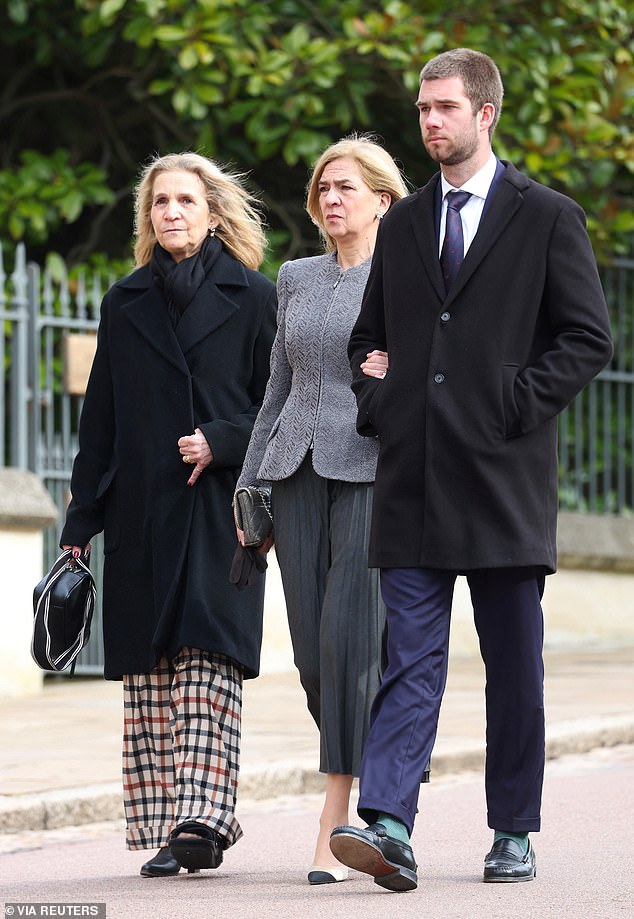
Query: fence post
(35, 403)
(20, 390)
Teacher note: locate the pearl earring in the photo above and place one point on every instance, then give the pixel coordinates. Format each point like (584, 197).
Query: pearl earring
(379, 215)
(212, 231)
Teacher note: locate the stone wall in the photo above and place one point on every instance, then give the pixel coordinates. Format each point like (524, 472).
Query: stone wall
(26, 509)
(588, 602)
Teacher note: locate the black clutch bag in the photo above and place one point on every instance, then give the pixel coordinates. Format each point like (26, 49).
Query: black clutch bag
(63, 604)
(253, 513)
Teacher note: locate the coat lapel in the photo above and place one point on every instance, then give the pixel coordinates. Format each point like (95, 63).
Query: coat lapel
(148, 314)
(212, 306)
(422, 216)
(499, 211)
(209, 309)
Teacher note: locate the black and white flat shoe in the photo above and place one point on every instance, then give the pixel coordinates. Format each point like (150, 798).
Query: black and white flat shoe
(319, 875)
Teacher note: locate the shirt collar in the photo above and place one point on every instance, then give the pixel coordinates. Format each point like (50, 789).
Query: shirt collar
(478, 184)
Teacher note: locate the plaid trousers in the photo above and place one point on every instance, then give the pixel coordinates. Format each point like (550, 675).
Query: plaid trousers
(181, 747)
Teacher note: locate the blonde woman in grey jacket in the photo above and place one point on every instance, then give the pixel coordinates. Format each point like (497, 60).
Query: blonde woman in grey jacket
(305, 443)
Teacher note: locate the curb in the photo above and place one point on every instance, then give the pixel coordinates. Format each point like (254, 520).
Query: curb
(99, 803)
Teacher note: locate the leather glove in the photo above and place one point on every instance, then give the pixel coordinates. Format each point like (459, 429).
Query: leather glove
(247, 563)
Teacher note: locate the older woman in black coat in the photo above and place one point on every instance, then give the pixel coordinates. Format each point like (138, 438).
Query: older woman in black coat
(179, 374)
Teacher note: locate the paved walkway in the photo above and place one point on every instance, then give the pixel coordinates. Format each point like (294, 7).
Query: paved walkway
(60, 755)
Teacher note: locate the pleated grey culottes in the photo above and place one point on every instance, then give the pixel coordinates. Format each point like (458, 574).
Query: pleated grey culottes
(335, 611)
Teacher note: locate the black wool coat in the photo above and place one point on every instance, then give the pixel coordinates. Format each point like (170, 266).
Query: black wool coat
(168, 547)
(467, 413)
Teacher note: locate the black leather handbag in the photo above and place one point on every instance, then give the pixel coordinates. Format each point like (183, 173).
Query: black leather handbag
(253, 513)
(63, 604)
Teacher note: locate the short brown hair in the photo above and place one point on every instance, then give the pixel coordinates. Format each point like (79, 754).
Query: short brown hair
(479, 74)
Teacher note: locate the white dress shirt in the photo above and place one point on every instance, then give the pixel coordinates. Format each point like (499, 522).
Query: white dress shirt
(478, 187)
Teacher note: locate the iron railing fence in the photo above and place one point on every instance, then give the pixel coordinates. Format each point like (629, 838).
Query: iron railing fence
(596, 432)
(41, 417)
(38, 310)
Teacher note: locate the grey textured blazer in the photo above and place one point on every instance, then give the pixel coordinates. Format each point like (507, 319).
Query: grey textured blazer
(308, 401)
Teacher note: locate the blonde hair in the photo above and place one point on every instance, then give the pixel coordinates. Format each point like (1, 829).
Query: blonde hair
(377, 168)
(239, 221)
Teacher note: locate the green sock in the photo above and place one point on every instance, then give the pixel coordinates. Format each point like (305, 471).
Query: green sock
(520, 838)
(395, 828)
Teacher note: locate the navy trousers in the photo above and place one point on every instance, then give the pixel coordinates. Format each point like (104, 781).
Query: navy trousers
(404, 719)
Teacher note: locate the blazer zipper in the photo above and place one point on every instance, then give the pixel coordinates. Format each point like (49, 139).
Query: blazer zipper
(321, 352)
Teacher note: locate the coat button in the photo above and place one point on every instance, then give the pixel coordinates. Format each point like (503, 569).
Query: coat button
(445, 317)
(439, 378)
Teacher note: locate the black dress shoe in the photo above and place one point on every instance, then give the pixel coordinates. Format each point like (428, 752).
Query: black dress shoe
(163, 865)
(390, 861)
(507, 862)
(203, 849)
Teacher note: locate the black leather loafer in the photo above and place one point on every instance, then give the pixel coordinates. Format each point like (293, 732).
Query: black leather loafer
(203, 849)
(163, 865)
(390, 861)
(507, 862)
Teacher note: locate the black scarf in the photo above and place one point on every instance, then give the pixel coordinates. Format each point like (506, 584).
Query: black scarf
(180, 281)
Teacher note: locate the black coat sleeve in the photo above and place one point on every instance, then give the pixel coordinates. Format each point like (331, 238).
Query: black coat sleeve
(368, 334)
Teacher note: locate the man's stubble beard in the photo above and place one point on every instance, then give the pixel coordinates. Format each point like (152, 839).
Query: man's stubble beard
(464, 151)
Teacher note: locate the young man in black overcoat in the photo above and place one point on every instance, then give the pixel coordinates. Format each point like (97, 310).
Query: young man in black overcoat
(483, 317)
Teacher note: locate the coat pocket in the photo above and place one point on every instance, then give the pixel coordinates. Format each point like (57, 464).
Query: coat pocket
(509, 405)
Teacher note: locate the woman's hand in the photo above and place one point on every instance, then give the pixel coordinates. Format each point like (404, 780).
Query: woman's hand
(264, 547)
(267, 544)
(195, 449)
(376, 365)
(77, 550)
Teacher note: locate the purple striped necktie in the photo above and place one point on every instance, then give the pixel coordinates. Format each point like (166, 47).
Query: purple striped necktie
(452, 252)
